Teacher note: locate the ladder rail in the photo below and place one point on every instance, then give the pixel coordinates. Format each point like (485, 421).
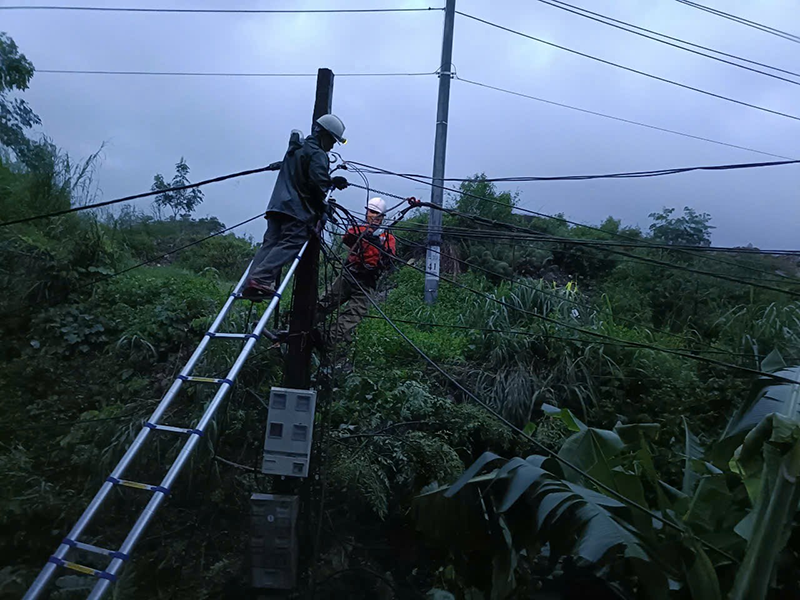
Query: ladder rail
(47, 572)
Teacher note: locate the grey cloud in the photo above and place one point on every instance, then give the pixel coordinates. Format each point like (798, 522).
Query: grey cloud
(226, 124)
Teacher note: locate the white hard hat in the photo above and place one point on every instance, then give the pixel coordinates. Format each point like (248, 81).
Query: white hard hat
(377, 204)
(333, 125)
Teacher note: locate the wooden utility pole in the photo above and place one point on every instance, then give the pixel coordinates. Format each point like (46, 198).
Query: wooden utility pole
(274, 546)
(439, 153)
(297, 373)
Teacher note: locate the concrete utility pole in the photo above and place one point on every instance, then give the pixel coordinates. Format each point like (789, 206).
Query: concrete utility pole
(439, 153)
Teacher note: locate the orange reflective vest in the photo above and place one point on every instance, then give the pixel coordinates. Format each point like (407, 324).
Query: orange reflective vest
(365, 250)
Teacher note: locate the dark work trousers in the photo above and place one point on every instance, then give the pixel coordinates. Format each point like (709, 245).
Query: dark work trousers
(283, 239)
(345, 290)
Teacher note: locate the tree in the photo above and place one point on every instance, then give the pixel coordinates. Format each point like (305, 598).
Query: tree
(470, 200)
(181, 202)
(692, 229)
(16, 116)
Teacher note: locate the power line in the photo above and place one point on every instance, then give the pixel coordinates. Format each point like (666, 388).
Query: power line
(149, 261)
(178, 188)
(511, 239)
(175, 251)
(625, 500)
(546, 237)
(632, 70)
(589, 332)
(615, 118)
(220, 74)
(576, 224)
(599, 18)
(620, 175)
(491, 234)
(667, 265)
(548, 336)
(558, 297)
(754, 24)
(222, 10)
(741, 58)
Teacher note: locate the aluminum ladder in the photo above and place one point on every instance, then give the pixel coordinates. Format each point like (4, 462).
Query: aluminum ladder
(119, 557)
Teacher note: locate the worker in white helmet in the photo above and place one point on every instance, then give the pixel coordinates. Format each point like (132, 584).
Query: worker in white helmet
(297, 203)
(370, 254)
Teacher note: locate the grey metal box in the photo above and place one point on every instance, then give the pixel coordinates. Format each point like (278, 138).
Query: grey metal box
(290, 427)
(273, 541)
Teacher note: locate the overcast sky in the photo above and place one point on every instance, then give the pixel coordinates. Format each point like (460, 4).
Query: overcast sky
(222, 125)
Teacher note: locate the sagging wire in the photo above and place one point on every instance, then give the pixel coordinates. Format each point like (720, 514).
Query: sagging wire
(712, 347)
(596, 334)
(607, 489)
(576, 224)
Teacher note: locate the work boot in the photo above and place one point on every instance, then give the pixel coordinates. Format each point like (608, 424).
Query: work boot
(256, 292)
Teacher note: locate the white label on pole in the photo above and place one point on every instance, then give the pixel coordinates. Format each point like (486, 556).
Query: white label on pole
(432, 263)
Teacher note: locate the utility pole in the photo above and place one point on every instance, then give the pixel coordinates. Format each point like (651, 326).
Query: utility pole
(439, 153)
(276, 517)
(297, 373)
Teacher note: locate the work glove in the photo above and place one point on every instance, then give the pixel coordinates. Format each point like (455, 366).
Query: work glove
(339, 182)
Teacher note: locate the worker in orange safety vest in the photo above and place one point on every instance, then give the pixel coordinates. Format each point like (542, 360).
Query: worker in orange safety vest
(370, 255)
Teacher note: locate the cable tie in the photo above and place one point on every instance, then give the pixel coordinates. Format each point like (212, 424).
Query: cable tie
(160, 488)
(253, 336)
(68, 542)
(119, 555)
(112, 479)
(183, 377)
(211, 334)
(106, 575)
(56, 561)
(150, 425)
(196, 432)
(228, 381)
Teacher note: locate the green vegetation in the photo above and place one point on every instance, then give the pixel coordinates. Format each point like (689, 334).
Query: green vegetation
(409, 506)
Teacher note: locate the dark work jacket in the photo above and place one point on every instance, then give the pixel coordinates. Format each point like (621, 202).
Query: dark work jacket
(302, 183)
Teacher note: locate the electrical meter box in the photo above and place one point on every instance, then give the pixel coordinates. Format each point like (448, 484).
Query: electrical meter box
(273, 541)
(290, 425)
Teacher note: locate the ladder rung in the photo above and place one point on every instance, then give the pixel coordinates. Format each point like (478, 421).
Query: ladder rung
(82, 569)
(137, 485)
(232, 336)
(172, 429)
(204, 379)
(95, 549)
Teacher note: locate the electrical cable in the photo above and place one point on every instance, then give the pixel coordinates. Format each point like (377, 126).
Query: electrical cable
(148, 261)
(495, 238)
(166, 254)
(596, 334)
(664, 35)
(609, 490)
(587, 14)
(713, 349)
(617, 175)
(573, 223)
(632, 70)
(468, 233)
(614, 118)
(585, 305)
(741, 20)
(665, 264)
(221, 74)
(221, 10)
(547, 336)
(178, 188)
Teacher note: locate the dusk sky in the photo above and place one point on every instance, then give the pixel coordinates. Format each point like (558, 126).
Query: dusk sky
(226, 124)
